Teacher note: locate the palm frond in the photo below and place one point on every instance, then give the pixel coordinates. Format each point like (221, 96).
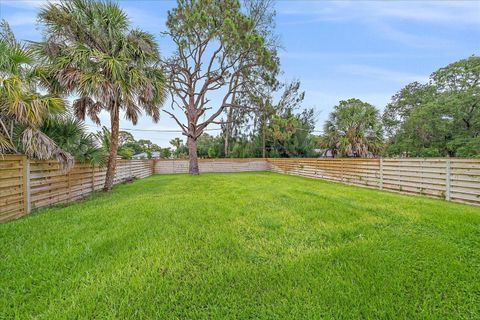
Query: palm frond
(40, 146)
(5, 144)
(6, 34)
(132, 111)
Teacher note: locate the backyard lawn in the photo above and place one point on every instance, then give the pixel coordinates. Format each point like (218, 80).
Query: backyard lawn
(243, 246)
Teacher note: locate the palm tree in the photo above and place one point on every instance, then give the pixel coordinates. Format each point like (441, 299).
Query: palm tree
(104, 138)
(179, 146)
(70, 134)
(176, 142)
(90, 50)
(22, 108)
(353, 129)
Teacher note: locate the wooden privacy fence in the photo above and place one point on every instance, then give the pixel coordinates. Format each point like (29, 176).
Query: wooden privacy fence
(452, 179)
(13, 187)
(29, 184)
(213, 165)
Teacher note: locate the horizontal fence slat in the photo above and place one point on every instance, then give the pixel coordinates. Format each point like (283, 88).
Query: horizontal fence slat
(48, 185)
(422, 176)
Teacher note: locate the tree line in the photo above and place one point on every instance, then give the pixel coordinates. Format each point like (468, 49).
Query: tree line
(224, 71)
(439, 118)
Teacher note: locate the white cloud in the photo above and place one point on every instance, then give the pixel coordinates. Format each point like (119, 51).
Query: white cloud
(410, 39)
(312, 55)
(381, 74)
(319, 55)
(26, 4)
(327, 100)
(455, 13)
(449, 12)
(384, 17)
(21, 18)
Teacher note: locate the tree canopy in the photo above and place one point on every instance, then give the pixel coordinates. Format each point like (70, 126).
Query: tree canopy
(224, 71)
(23, 108)
(218, 47)
(353, 129)
(89, 49)
(441, 118)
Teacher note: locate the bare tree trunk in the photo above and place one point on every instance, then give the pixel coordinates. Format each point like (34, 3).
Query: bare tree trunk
(229, 120)
(264, 126)
(112, 157)
(226, 138)
(228, 130)
(192, 157)
(263, 143)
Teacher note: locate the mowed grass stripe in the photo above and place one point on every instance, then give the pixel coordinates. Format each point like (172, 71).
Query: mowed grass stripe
(247, 245)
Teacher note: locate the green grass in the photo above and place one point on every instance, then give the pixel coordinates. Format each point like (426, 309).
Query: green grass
(243, 246)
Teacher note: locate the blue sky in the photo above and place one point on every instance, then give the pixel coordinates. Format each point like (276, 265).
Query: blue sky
(338, 49)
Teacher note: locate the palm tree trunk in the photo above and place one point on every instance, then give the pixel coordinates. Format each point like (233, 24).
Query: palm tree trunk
(112, 157)
(192, 156)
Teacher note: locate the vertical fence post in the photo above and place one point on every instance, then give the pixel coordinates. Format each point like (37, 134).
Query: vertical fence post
(93, 178)
(342, 167)
(381, 174)
(69, 188)
(26, 184)
(448, 180)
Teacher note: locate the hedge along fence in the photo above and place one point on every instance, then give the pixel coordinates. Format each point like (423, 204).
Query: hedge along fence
(29, 184)
(453, 179)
